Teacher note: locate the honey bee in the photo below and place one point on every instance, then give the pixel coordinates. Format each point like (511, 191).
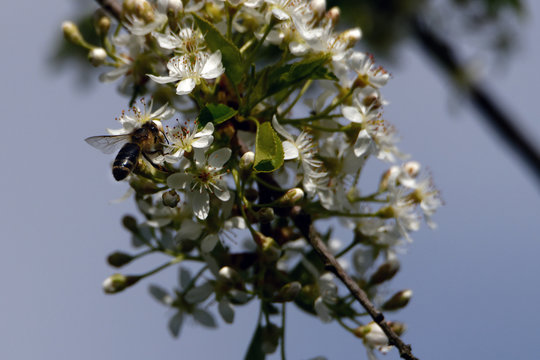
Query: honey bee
(146, 140)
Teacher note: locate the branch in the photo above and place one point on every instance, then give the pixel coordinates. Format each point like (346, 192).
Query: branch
(304, 223)
(112, 7)
(441, 51)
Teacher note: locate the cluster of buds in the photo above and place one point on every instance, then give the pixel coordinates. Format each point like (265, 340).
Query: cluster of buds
(279, 115)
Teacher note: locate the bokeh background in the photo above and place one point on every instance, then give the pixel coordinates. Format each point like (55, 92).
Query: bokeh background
(475, 278)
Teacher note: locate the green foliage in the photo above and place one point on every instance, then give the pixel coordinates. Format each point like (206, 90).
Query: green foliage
(231, 56)
(268, 149)
(216, 114)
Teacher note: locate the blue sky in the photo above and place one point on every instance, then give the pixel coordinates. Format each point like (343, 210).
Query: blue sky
(475, 278)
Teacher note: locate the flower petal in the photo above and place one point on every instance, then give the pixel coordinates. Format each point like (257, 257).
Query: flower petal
(162, 79)
(201, 204)
(363, 143)
(209, 243)
(185, 86)
(351, 113)
(179, 180)
(218, 158)
(221, 191)
(290, 151)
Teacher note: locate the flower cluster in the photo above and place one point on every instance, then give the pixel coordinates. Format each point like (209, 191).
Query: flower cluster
(280, 114)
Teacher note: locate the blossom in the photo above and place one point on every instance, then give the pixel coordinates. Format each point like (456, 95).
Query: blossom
(203, 179)
(188, 70)
(181, 140)
(136, 117)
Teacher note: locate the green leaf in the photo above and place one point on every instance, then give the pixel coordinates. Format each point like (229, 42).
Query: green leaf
(271, 80)
(230, 55)
(268, 149)
(216, 114)
(255, 350)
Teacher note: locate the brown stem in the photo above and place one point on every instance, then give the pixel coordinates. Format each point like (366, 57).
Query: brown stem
(304, 223)
(112, 7)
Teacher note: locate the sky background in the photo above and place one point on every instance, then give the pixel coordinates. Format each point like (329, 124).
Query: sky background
(475, 279)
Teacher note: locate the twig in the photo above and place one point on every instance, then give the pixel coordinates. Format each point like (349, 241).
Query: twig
(442, 52)
(112, 7)
(304, 223)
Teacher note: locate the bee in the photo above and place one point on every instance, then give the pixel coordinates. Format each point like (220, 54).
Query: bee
(146, 140)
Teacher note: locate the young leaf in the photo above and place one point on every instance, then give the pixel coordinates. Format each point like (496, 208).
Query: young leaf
(255, 351)
(268, 149)
(230, 55)
(216, 114)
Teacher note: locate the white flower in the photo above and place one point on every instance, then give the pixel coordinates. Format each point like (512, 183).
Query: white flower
(205, 178)
(369, 74)
(187, 41)
(136, 117)
(188, 70)
(182, 139)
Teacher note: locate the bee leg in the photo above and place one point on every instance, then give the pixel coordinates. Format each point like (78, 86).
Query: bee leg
(157, 166)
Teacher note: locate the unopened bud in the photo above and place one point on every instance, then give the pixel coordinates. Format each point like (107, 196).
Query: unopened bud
(246, 164)
(72, 33)
(97, 56)
(270, 338)
(398, 300)
(267, 244)
(170, 198)
(291, 197)
(372, 334)
(118, 282)
(119, 259)
(102, 22)
(288, 292)
(385, 272)
(266, 215)
(174, 6)
(229, 274)
(130, 223)
(398, 327)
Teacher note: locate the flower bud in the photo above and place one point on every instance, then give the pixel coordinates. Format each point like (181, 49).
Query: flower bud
(398, 327)
(267, 244)
(72, 33)
(372, 334)
(102, 23)
(318, 7)
(398, 300)
(170, 198)
(119, 259)
(246, 164)
(174, 6)
(385, 272)
(291, 197)
(97, 56)
(266, 215)
(351, 36)
(288, 292)
(130, 223)
(229, 274)
(118, 282)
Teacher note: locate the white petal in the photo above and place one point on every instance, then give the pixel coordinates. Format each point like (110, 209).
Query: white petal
(213, 67)
(218, 158)
(202, 142)
(363, 143)
(201, 204)
(175, 324)
(179, 180)
(199, 157)
(226, 310)
(189, 229)
(322, 310)
(209, 243)
(222, 192)
(200, 293)
(207, 130)
(351, 113)
(290, 151)
(281, 130)
(185, 86)
(162, 79)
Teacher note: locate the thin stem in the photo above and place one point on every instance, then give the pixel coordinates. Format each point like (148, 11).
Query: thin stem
(176, 260)
(304, 223)
(298, 97)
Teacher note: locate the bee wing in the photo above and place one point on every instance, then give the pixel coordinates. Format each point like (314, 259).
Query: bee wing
(107, 144)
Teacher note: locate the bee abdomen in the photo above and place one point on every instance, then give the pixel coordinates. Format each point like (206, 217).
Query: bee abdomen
(125, 161)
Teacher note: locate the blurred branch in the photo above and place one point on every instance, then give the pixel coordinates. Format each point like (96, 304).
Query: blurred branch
(304, 222)
(112, 7)
(441, 51)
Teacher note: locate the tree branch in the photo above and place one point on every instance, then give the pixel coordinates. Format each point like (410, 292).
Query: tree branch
(441, 51)
(304, 223)
(112, 7)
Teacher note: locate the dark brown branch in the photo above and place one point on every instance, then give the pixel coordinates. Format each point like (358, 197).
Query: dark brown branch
(112, 7)
(304, 223)
(441, 51)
